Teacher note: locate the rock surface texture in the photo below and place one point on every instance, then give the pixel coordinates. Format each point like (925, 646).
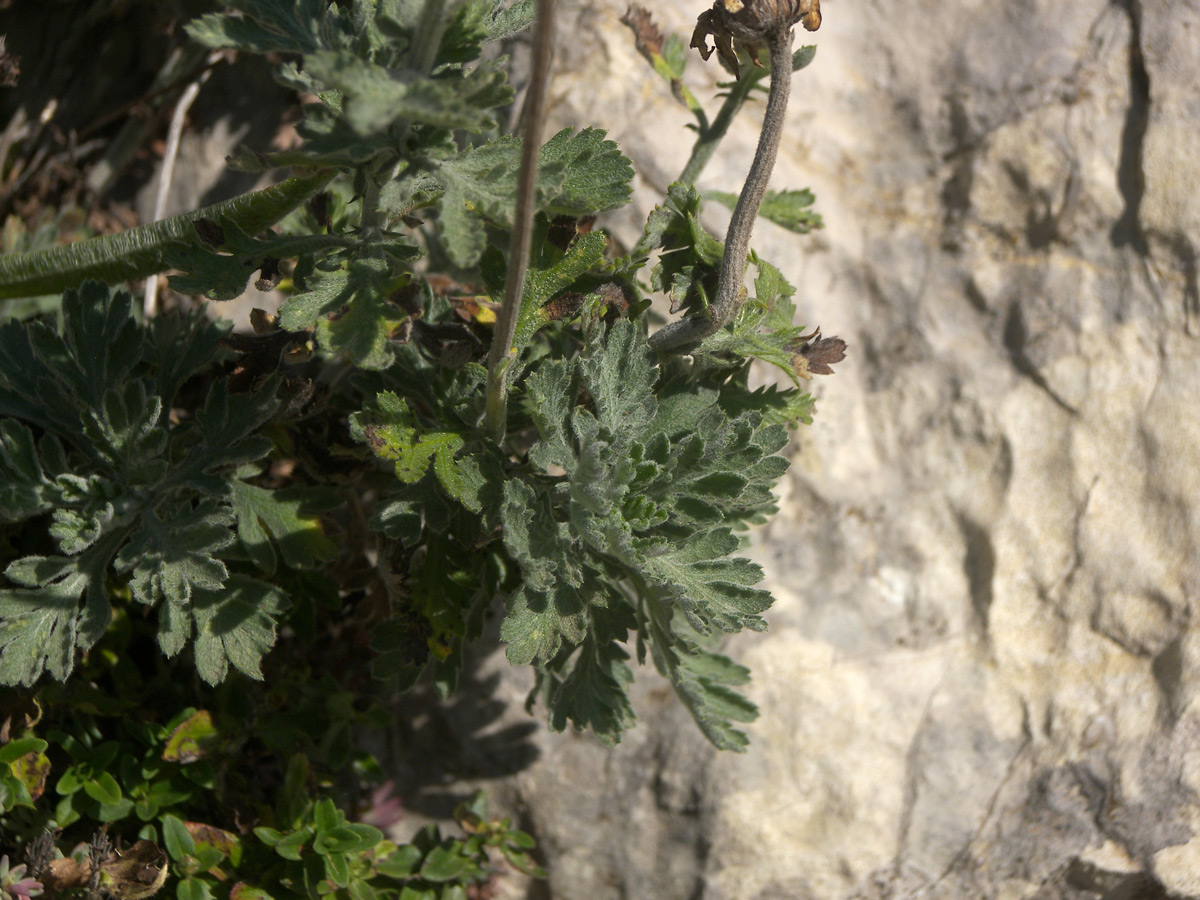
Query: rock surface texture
(981, 675)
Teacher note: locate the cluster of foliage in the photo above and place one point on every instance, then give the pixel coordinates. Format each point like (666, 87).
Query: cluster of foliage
(324, 488)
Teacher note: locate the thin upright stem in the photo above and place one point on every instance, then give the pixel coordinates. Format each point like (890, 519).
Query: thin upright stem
(167, 175)
(710, 137)
(686, 333)
(503, 354)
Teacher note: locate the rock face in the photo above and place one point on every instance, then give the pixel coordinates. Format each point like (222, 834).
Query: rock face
(980, 679)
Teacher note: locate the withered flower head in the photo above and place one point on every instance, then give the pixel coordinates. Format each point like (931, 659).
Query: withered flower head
(751, 23)
(814, 354)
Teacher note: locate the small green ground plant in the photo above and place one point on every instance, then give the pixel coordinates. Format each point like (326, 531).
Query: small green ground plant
(223, 551)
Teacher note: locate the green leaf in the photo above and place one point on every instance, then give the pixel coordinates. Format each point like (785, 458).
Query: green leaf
(375, 96)
(226, 428)
(178, 344)
(26, 489)
(803, 57)
(583, 173)
(401, 863)
(704, 682)
(18, 747)
(295, 26)
(284, 518)
(361, 890)
(788, 209)
(42, 623)
(338, 869)
(595, 693)
(191, 739)
(291, 846)
(49, 380)
(542, 283)
(509, 21)
(222, 273)
(444, 864)
(578, 175)
(167, 560)
(235, 626)
(391, 432)
(141, 251)
(176, 838)
(104, 789)
(193, 889)
(268, 836)
(350, 310)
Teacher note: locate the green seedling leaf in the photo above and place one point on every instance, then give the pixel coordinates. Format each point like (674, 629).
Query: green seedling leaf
(192, 739)
(443, 864)
(104, 789)
(176, 838)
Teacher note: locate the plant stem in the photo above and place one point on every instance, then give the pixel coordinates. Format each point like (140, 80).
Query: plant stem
(427, 37)
(686, 333)
(710, 137)
(174, 135)
(503, 354)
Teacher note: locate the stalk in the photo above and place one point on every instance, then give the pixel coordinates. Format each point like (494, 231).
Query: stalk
(140, 251)
(503, 354)
(686, 333)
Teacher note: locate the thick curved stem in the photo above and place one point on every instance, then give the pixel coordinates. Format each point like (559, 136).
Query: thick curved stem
(682, 335)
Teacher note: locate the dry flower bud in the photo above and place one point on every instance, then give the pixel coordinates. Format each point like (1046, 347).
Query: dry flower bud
(751, 23)
(817, 355)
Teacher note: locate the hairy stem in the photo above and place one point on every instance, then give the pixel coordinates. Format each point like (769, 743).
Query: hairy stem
(503, 354)
(141, 251)
(686, 333)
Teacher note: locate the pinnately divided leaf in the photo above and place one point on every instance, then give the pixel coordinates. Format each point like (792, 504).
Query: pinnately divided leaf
(578, 174)
(393, 434)
(284, 519)
(650, 498)
(59, 607)
(235, 626)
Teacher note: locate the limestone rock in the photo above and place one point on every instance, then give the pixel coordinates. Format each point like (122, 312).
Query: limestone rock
(980, 679)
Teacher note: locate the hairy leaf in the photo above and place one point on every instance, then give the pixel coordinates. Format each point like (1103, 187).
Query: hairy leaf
(235, 627)
(168, 559)
(60, 607)
(578, 174)
(392, 434)
(285, 519)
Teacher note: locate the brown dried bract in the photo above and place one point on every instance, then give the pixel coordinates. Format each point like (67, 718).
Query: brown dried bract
(646, 35)
(817, 355)
(750, 23)
(564, 306)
